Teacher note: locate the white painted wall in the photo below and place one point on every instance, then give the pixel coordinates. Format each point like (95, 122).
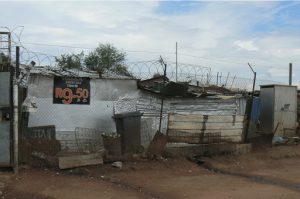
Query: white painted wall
(97, 115)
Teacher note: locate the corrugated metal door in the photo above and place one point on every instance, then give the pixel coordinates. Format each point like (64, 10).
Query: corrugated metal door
(5, 144)
(255, 113)
(267, 109)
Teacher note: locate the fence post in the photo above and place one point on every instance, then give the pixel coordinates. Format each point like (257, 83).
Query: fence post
(251, 104)
(232, 82)
(207, 78)
(176, 61)
(227, 79)
(16, 112)
(290, 73)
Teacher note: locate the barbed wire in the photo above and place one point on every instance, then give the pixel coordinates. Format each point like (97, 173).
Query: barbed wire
(182, 72)
(27, 55)
(194, 74)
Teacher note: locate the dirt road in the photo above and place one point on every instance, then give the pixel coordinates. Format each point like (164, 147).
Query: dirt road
(272, 173)
(36, 184)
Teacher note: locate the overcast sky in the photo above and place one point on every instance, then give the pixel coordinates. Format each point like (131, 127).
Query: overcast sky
(222, 35)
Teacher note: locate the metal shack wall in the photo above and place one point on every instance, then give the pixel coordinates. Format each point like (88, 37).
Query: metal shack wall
(267, 109)
(5, 146)
(149, 105)
(255, 113)
(285, 108)
(97, 115)
(278, 106)
(4, 88)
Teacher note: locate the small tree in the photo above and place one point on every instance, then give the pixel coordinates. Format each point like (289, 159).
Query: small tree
(106, 58)
(70, 61)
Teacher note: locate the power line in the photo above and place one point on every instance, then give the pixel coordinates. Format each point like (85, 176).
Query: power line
(90, 48)
(126, 50)
(226, 61)
(134, 51)
(188, 47)
(210, 59)
(56, 45)
(150, 52)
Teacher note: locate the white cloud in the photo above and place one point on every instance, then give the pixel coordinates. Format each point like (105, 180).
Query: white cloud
(246, 45)
(215, 31)
(277, 72)
(49, 30)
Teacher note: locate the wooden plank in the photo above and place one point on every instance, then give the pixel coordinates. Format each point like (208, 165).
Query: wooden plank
(194, 137)
(75, 160)
(209, 119)
(232, 139)
(192, 140)
(190, 128)
(224, 133)
(197, 140)
(199, 126)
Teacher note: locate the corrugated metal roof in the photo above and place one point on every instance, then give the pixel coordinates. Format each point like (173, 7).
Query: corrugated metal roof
(50, 71)
(273, 85)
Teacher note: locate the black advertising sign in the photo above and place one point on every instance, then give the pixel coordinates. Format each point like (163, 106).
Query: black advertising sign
(71, 90)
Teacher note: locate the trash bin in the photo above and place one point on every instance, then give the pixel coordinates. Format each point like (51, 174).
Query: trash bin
(128, 125)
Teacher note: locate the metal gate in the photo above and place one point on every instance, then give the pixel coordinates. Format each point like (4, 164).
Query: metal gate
(5, 117)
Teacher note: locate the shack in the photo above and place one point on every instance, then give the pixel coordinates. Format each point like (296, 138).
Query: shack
(278, 110)
(83, 99)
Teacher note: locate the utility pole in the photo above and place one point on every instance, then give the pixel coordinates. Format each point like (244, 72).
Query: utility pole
(290, 73)
(251, 104)
(254, 81)
(176, 60)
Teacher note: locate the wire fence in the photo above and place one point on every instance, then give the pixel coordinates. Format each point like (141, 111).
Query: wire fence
(195, 74)
(183, 72)
(238, 83)
(26, 55)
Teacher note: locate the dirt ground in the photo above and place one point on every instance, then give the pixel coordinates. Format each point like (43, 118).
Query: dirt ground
(267, 174)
